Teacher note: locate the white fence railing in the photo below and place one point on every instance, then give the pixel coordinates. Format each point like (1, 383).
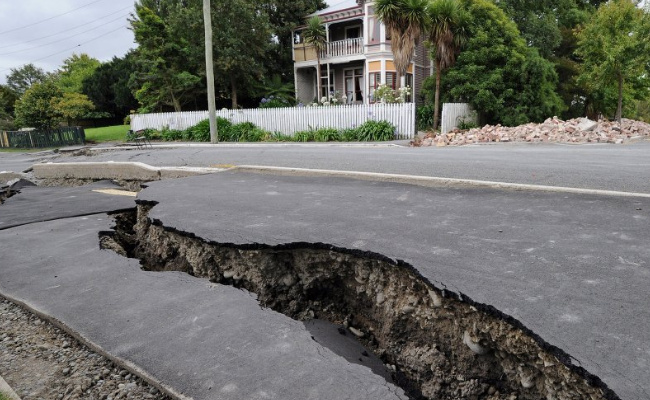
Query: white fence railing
(340, 48)
(292, 119)
(453, 114)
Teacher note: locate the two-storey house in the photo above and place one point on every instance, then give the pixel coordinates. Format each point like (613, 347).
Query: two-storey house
(357, 57)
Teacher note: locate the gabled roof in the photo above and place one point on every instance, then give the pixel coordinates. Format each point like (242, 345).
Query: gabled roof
(339, 5)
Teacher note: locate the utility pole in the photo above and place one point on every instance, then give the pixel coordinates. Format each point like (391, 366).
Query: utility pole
(209, 72)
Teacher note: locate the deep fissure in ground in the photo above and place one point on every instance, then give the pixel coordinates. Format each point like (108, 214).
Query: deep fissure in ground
(440, 345)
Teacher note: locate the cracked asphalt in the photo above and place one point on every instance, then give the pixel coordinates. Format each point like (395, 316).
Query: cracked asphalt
(572, 268)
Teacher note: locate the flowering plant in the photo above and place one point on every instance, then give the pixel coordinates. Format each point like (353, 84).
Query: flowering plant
(386, 94)
(274, 102)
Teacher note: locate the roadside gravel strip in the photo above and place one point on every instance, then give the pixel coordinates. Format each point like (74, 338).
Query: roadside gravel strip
(40, 361)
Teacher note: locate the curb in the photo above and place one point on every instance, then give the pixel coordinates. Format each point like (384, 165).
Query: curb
(430, 181)
(7, 390)
(117, 360)
(144, 172)
(115, 170)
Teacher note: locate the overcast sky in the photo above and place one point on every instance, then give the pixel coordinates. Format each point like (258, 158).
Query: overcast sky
(46, 32)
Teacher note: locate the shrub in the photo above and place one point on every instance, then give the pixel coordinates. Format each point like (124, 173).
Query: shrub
(327, 135)
(424, 117)
(199, 132)
(169, 135)
(224, 129)
(375, 131)
(248, 132)
(304, 136)
(280, 137)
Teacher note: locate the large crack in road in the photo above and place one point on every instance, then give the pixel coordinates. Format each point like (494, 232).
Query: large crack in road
(439, 344)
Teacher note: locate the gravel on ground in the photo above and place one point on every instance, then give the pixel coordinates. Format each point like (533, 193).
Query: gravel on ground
(40, 361)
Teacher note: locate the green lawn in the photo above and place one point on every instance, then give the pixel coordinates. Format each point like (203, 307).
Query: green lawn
(115, 133)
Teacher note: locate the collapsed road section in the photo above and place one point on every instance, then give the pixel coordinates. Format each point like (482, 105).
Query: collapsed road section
(439, 344)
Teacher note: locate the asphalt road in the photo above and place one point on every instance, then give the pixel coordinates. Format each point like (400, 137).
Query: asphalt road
(607, 167)
(572, 268)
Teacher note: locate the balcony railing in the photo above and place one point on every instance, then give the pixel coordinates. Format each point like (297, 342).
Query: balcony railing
(342, 48)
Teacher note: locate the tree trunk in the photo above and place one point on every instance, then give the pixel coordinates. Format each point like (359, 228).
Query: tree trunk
(619, 109)
(436, 103)
(318, 80)
(177, 104)
(398, 77)
(233, 92)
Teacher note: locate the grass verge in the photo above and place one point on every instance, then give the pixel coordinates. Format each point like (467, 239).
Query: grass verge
(116, 133)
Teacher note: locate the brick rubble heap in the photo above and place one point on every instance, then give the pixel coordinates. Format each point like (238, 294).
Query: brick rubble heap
(580, 130)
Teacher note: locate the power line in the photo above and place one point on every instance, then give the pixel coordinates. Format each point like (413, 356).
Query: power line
(50, 18)
(68, 29)
(63, 39)
(71, 48)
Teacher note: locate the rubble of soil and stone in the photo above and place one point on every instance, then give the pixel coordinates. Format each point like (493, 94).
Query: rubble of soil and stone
(553, 130)
(40, 361)
(439, 345)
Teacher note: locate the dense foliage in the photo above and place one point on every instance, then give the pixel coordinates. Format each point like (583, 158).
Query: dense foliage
(36, 107)
(108, 87)
(505, 80)
(247, 132)
(616, 52)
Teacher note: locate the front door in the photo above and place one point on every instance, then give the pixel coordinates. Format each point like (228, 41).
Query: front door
(354, 85)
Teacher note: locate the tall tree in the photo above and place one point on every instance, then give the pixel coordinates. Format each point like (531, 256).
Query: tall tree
(76, 68)
(448, 30)
(404, 20)
(72, 106)
(242, 37)
(615, 48)
(503, 79)
(108, 87)
(35, 107)
(7, 103)
(170, 57)
(550, 26)
(22, 78)
(167, 70)
(284, 17)
(314, 34)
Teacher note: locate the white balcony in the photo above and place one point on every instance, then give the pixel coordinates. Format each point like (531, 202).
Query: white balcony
(343, 48)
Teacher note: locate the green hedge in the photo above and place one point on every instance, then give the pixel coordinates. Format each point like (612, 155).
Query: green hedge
(249, 132)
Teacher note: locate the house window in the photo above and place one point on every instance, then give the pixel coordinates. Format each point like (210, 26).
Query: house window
(354, 85)
(391, 81)
(374, 82)
(326, 89)
(353, 32)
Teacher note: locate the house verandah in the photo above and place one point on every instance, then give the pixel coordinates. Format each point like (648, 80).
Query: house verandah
(357, 58)
(356, 80)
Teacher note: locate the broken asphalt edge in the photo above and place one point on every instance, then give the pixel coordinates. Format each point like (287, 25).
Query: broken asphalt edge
(120, 362)
(144, 172)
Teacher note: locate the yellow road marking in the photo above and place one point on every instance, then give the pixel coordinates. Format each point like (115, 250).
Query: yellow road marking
(116, 192)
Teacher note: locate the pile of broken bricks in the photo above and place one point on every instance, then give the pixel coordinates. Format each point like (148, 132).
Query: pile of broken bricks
(553, 130)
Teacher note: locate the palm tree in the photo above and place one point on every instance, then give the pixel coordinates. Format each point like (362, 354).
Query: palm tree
(404, 20)
(314, 34)
(448, 30)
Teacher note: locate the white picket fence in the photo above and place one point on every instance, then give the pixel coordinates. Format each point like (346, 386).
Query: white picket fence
(291, 119)
(453, 113)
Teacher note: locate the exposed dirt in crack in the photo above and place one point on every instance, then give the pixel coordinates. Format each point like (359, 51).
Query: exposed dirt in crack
(440, 345)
